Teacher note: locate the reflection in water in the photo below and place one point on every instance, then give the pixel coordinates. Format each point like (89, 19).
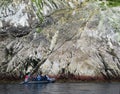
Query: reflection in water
(33, 88)
(61, 88)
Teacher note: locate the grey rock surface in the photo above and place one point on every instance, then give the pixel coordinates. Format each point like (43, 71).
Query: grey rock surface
(83, 41)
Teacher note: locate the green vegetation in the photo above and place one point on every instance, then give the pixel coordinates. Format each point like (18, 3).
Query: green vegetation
(38, 29)
(109, 3)
(5, 2)
(39, 5)
(39, 14)
(113, 3)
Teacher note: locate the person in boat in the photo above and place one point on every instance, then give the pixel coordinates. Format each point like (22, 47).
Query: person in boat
(27, 77)
(39, 77)
(46, 77)
(34, 77)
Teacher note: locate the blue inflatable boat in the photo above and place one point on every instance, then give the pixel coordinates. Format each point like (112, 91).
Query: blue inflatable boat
(52, 80)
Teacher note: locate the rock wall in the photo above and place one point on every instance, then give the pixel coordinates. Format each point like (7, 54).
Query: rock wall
(81, 43)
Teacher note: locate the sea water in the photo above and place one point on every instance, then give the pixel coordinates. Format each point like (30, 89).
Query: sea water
(61, 88)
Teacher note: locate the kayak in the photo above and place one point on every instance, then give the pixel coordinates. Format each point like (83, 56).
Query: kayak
(52, 80)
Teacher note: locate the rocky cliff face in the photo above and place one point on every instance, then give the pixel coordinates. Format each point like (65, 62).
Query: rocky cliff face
(80, 42)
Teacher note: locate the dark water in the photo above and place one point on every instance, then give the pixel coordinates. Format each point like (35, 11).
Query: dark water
(61, 88)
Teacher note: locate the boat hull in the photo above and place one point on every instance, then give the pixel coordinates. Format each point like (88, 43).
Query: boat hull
(39, 82)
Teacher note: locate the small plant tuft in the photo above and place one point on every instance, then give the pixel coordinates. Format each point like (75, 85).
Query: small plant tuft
(113, 3)
(39, 6)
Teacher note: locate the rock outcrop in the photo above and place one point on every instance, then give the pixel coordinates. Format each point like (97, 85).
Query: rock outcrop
(80, 42)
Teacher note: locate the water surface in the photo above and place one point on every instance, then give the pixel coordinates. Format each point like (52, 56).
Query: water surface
(61, 88)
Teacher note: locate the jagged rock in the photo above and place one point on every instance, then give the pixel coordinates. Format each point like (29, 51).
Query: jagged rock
(82, 42)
